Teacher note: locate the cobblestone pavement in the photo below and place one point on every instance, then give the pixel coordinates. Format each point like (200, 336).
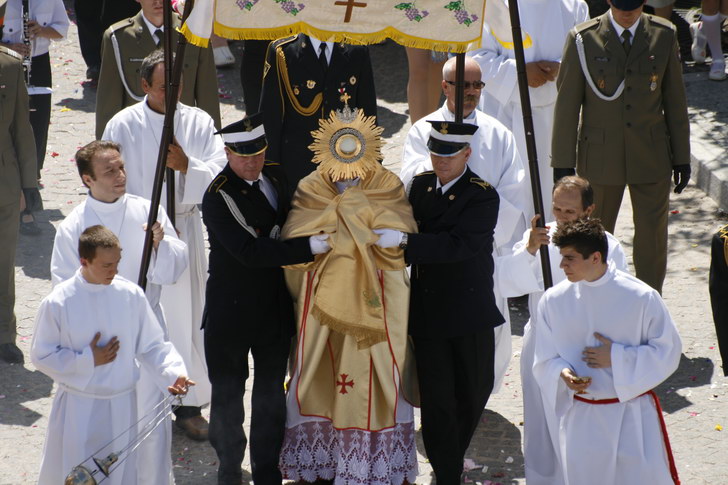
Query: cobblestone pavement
(694, 399)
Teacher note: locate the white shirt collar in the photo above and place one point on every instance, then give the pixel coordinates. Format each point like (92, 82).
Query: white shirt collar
(448, 185)
(315, 43)
(450, 116)
(152, 28)
(619, 29)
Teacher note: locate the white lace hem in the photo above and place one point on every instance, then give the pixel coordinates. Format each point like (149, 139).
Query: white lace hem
(316, 450)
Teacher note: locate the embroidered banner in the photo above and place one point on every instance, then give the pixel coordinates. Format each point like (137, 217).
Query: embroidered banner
(442, 25)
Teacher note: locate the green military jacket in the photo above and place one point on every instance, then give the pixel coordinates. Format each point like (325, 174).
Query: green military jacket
(639, 136)
(17, 145)
(135, 42)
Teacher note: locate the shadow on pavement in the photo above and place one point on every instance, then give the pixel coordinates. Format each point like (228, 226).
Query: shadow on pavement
(34, 252)
(390, 120)
(195, 463)
(495, 451)
(19, 385)
(87, 103)
(695, 372)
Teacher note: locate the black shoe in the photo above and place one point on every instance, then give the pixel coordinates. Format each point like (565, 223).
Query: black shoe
(92, 73)
(30, 228)
(11, 354)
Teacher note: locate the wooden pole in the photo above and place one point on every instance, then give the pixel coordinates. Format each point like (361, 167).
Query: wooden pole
(530, 137)
(167, 135)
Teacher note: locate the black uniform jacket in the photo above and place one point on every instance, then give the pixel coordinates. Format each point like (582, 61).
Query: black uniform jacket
(246, 294)
(451, 257)
(719, 292)
(293, 78)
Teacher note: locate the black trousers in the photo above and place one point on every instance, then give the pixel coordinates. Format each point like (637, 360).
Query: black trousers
(227, 366)
(40, 105)
(93, 17)
(251, 73)
(456, 378)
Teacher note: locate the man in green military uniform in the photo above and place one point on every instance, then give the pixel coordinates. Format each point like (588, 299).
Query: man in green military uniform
(127, 43)
(621, 119)
(17, 171)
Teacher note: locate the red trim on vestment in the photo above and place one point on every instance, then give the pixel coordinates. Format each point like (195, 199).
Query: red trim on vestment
(663, 427)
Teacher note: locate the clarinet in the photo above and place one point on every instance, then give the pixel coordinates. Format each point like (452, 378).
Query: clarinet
(26, 40)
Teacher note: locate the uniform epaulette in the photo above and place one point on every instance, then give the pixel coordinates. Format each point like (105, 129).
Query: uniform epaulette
(284, 40)
(121, 24)
(10, 52)
(429, 172)
(661, 22)
(479, 181)
(589, 24)
(217, 183)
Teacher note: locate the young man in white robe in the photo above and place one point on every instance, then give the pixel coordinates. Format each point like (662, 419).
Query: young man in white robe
(496, 160)
(92, 334)
(196, 157)
(520, 273)
(546, 23)
(604, 340)
(102, 170)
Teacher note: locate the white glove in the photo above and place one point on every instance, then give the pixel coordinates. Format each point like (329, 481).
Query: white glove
(388, 238)
(319, 244)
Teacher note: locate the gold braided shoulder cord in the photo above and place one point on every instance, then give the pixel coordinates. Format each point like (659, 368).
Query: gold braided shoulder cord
(724, 236)
(283, 73)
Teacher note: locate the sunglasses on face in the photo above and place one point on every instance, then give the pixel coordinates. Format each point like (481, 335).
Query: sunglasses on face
(468, 84)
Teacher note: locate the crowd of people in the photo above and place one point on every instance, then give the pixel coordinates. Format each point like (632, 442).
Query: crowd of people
(366, 292)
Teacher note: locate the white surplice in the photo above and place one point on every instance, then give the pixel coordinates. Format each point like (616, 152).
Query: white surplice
(495, 159)
(517, 274)
(125, 217)
(138, 129)
(94, 405)
(547, 22)
(620, 443)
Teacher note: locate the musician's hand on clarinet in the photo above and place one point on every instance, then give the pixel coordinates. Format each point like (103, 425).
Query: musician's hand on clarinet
(20, 48)
(181, 386)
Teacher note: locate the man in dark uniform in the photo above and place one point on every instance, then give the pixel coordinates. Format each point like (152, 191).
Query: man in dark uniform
(304, 80)
(127, 43)
(718, 285)
(452, 307)
(248, 307)
(17, 171)
(622, 120)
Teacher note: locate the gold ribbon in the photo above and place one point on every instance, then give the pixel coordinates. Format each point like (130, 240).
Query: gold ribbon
(283, 75)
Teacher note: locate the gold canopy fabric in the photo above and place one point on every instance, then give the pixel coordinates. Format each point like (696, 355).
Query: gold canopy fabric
(347, 296)
(445, 25)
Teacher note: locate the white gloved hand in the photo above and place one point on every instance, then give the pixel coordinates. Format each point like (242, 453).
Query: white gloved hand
(388, 238)
(319, 244)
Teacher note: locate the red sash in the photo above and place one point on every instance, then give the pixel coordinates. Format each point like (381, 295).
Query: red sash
(665, 438)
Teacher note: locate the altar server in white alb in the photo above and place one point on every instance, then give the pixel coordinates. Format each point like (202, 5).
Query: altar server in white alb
(495, 159)
(604, 340)
(91, 335)
(520, 273)
(546, 24)
(196, 157)
(102, 171)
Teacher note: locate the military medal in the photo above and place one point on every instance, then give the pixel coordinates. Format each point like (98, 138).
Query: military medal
(296, 91)
(653, 82)
(429, 189)
(310, 84)
(352, 80)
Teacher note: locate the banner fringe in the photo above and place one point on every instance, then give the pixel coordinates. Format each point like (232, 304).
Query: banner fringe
(401, 38)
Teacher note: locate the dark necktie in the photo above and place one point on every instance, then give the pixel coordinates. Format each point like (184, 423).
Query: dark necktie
(256, 185)
(626, 40)
(439, 191)
(322, 56)
(159, 34)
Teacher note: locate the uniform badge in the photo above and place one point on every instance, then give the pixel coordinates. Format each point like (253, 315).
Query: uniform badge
(296, 91)
(310, 84)
(653, 82)
(352, 80)
(443, 128)
(451, 197)
(429, 189)
(266, 68)
(601, 83)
